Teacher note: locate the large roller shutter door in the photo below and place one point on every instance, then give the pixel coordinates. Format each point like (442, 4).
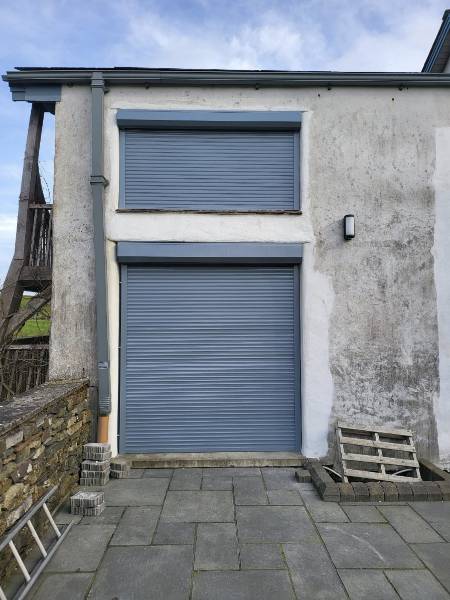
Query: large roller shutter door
(209, 358)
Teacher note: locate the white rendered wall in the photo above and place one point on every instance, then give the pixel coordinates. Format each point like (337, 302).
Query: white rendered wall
(441, 251)
(373, 309)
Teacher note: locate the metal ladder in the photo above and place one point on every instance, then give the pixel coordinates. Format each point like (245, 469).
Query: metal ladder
(30, 578)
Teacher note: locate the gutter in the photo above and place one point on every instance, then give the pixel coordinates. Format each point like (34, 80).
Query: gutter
(98, 183)
(150, 77)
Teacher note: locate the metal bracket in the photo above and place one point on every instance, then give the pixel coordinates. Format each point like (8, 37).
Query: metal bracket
(99, 179)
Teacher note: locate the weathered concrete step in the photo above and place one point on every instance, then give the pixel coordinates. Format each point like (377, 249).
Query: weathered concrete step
(215, 459)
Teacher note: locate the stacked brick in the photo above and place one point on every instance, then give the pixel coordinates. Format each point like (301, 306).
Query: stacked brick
(87, 504)
(303, 476)
(95, 468)
(120, 469)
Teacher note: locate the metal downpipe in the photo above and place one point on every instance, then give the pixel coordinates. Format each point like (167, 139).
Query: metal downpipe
(98, 183)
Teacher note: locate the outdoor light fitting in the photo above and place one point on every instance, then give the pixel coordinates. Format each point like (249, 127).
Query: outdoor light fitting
(349, 227)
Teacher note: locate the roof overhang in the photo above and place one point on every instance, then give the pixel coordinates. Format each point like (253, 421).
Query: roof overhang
(27, 77)
(440, 50)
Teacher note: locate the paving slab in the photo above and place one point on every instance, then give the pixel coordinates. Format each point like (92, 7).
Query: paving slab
(231, 471)
(242, 585)
(367, 550)
(136, 492)
(56, 586)
(135, 473)
(203, 506)
(437, 514)
(111, 515)
(218, 483)
(249, 490)
(186, 479)
(363, 514)
(82, 550)
(443, 530)
(165, 473)
(437, 558)
(64, 516)
(279, 478)
(137, 526)
(366, 546)
(417, 585)
(433, 512)
(313, 574)
(143, 572)
(409, 525)
(174, 534)
(362, 584)
(323, 512)
(262, 556)
(284, 498)
(274, 524)
(216, 547)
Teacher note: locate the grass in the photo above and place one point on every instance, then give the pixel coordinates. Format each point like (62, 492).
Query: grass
(37, 325)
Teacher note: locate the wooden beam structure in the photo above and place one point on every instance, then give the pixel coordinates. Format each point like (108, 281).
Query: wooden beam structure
(30, 268)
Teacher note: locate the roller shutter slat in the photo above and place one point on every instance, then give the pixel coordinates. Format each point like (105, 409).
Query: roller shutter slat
(209, 359)
(209, 170)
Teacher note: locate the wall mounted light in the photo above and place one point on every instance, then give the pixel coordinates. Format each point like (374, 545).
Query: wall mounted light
(349, 227)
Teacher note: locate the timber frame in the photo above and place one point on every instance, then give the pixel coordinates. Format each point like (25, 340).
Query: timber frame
(30, 268)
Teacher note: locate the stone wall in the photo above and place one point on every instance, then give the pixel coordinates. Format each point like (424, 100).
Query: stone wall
(41, 437)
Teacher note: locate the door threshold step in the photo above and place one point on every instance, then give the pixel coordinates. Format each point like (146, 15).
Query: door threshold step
(214, 459)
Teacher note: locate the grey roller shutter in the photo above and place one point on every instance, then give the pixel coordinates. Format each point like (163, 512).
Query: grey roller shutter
(209, 359)
(209, 170)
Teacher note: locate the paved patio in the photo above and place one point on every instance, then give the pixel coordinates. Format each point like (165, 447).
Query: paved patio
(247, 534)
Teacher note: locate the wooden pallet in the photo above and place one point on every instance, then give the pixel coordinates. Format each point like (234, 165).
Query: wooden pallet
(376, 444)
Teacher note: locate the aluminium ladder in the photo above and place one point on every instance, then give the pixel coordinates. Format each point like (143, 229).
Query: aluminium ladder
(30, 578)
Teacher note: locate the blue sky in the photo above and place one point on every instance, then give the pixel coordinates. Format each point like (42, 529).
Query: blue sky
(359, 35)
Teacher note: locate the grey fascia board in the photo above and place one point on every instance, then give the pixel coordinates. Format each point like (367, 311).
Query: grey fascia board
(438, 55)
(35, 93)
(208, 119)
(231, 77)
(206, 253)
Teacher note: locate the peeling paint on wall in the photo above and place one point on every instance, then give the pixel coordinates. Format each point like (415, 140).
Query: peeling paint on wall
(383, 331)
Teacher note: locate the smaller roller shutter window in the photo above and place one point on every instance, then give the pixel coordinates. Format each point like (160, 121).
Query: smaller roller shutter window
(185, 169)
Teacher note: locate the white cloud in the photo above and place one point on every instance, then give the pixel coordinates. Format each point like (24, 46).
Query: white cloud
(7, 227)
(312, 35)
(153, 39)
(10, 172)
(402, 45)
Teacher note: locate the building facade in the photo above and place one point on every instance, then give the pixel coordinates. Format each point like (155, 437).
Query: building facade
(229, 312)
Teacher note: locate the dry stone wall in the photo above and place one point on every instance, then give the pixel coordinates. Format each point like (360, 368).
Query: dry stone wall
(42, 433)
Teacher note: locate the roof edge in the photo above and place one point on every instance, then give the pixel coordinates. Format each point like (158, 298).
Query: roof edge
(440, 50)
(128, 76)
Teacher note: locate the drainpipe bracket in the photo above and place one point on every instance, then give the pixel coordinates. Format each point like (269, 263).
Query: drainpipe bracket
(94, 179)
(97, 80)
